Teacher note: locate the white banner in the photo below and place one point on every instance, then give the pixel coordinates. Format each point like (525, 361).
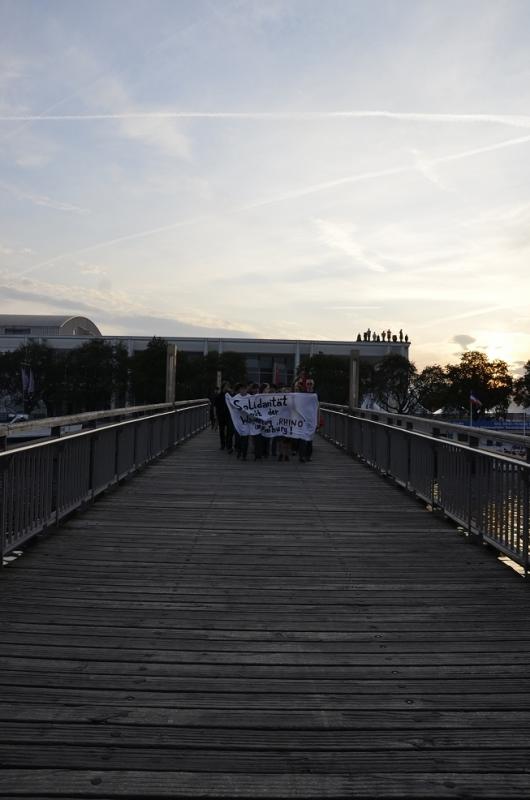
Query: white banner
(294, 414)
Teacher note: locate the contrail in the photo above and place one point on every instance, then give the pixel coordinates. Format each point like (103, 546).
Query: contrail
(489, 148)
(118, 240)
(512, 120)
(467, 314)
(161, 44)
(294, 194)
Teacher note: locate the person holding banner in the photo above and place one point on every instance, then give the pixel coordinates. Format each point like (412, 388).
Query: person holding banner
(241, 440)
(261, 443)
(256, 438)
(310, 388)
(284, 415)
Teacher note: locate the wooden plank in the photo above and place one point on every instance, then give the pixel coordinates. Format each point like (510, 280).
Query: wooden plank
(258, 739)
(274, 630)
(158, 784)
(302, 684)
(286, 701)
(375, 719)
(236, 669)
(150, 756)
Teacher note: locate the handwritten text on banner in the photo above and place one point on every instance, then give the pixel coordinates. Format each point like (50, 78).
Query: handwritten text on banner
(293, 414)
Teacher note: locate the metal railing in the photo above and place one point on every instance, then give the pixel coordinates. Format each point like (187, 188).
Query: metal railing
(486, 493)
(475, 436)
(87, 419)
(42, 483)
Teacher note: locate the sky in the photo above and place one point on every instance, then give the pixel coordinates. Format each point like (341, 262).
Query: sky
(270, 168)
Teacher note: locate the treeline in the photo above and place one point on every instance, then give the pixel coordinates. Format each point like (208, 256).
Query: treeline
(396, 385)
(98, 375)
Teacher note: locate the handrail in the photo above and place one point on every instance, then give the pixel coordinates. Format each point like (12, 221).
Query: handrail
(436, 425)
(33, 444)
(91, 416)
(41, 483)
(488, 494)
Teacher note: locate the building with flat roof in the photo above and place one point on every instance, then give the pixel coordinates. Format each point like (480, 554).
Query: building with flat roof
(265, 358)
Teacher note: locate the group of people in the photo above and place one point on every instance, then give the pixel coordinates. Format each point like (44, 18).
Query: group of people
(282, 448)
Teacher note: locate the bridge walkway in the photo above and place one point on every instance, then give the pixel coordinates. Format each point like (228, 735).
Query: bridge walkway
(222, 629)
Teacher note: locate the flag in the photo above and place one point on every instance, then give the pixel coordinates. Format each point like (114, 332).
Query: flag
(474, 400)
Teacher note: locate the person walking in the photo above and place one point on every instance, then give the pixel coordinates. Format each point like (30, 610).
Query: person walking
(224, 421)
(213, 417)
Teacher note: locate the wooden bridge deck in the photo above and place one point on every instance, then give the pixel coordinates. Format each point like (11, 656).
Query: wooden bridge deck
(262, 630)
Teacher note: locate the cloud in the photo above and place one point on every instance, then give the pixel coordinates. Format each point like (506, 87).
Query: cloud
(130, 237)
(353, 308)
(463, 340)
(6, 250)
(426, 168)
(42, 200)
(286, 196)
(92, 269)
(30, 160)
(12, 69)
(112, 305)
(339, 236)
(466, 314)
(158, 131)
(122, 324)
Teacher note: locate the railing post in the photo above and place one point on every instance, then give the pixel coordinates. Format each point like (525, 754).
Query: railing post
(409, 462)
(526, 520)
(92, 467)
(4, 466)
(56, 480)
(475, 537)
(173, 428)
(434, 476)
(119, 432)
(135, 445)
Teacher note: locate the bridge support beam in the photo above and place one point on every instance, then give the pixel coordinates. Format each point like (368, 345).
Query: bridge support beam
(353, 398)
(171, 372)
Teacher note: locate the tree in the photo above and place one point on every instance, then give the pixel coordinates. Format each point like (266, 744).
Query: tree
(196, 375)
(148, 373)
(500, 387)
(90, 376)
(431, 388)
(233, 367)
(10, 378)
(489, 381)
(392, 384)
(522, 388)
(43, 368)
(331, 376)
(120, 374)
(366, 379)
(87, 378)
